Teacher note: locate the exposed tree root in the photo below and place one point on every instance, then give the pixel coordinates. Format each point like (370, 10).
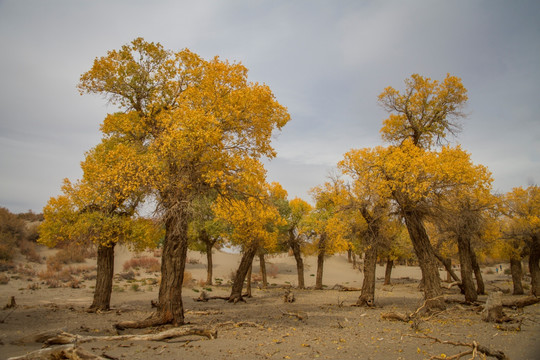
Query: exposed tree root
(474, 346)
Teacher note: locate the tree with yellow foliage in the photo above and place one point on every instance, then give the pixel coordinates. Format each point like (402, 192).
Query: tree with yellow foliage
(253, 225)
(100, 210)
(522, 209)
(296, 238)
(325, 228)
(201, 125)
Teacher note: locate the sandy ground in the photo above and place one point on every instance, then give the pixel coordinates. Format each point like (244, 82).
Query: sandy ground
(331, 327)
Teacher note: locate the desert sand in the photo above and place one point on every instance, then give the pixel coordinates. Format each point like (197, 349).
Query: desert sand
(319, 324)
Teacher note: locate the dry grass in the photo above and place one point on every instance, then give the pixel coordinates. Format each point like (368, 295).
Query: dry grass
(28, 249)
(4, 279)
(150, 264)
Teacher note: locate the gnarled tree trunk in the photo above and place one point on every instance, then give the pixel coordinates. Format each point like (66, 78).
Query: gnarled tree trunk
(173, 264)
(480, 288)
(534, 266)
(517, 275)
(367, 296)
(209, 261)
(104, 278)
(320, 262)
(426, 257)
(243, 268)
(467, 281)
(295, 247)
(388, 271)
(262, 265)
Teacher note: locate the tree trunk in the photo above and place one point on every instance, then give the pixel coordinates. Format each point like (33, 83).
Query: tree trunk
(426, 257)
(243, 268)
(349, 254)
(464, 250)
(534, 265)
(209, 261)
(367, 296)
(173, 264)
(104, 278)
(295, 247)
(320, 262)
(480, 288)
(248, 281)
(388, 271)
(263, 270)
(517, 275)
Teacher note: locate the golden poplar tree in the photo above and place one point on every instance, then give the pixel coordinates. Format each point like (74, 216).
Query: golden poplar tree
(201, 124)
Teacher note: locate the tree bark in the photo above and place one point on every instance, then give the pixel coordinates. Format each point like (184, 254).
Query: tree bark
(367, 296)
(243, 268)
(173, 264)
(517, 275)
(480, 288)
(388, 271)
(295, 247)
(534, 265)
(104, 278)
(209, 261)
(320, 262)
(262, 264)
(248, 281)
(349, 254)
(426, 257)
(464, 250)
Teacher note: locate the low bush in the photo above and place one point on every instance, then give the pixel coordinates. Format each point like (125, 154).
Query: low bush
(150, 264)
(28, 249)
(4, 279)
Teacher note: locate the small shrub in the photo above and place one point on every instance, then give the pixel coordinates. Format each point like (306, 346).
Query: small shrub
(117, 288)
(4, 279)
(188, 278)
(193, 261)
(28, 249)
(256, 277)
(507, 272)
(135, 287)
(201, 283)
(272, 270)
(490, 271)
(218, 281)
(150, 264)
(33, 286)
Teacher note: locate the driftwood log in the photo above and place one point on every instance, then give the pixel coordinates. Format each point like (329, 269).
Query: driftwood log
(475, 348)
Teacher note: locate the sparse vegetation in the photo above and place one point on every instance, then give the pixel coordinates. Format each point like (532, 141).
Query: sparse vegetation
(150, 264)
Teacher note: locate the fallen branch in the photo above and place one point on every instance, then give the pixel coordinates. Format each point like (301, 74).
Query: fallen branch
(345, 288)
(474, 346)
(520, 303)
(240, 324)
(204, 297)
(67, 338)
(60, 352)
(299, 316)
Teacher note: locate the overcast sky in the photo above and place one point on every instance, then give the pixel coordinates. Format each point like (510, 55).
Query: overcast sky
(325, 60)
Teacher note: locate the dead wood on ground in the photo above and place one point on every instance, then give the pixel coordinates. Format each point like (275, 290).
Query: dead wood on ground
(474, 346)
(59, 352)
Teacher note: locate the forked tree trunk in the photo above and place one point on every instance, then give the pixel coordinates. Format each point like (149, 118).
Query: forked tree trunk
(262, 265)
(104, 278)
(295, 247)
(517, 275)
(367, 296)
(243, 268)
(248, 281)
(534, 265)
(320, 262)
(388, 271)
(426, 257)
(480, 288)
(467, 281)
(209, 261)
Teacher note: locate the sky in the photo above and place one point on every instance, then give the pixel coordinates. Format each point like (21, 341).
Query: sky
(326, 61)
